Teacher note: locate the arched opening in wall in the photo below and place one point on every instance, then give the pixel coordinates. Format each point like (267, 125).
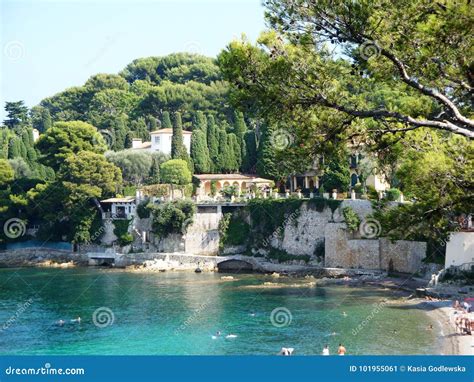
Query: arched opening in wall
(218, 186)
(354, 179)
(207, 188)
(243, 187)
(236, 185)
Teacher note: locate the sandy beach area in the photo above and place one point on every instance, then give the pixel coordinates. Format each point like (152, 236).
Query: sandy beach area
(443, 314)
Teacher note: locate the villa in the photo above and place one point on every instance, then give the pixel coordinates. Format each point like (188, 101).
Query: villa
(161, 141)
(243, 183)
(118, 208)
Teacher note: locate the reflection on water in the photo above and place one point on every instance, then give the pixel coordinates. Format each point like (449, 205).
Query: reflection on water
(179, 313)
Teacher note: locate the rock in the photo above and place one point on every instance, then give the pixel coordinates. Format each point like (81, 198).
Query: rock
(275, 275)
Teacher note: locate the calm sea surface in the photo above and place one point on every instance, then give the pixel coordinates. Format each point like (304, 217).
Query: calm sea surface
(178, 313)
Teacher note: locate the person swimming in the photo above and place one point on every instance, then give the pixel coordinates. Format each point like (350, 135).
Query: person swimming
(78, 320)
(286, 351)
(231, 336)
(344, 314)
(61, 322)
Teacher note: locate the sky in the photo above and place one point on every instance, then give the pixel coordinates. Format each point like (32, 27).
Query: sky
(50, 45)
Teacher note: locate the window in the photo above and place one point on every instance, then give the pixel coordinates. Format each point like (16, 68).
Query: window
(157, 140)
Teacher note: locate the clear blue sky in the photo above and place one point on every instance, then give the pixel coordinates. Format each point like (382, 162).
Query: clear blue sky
(49, 45)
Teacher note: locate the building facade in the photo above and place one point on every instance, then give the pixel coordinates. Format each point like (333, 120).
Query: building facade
(160, 140)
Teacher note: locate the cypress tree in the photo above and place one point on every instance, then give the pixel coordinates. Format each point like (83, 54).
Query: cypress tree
(178, 149)
(46, 122)
(140, 129)
(152, 124)
(129, 139)
(213, 143)
(120, 130)
(200, 122)
(267, 165)
(223, 160)
(239, 125)
(200, 152)
(234, 151)
(166, 120)
(14, 148)
(154, 171)
(249, 159)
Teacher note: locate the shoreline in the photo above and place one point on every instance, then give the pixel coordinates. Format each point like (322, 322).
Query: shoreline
(453, 343)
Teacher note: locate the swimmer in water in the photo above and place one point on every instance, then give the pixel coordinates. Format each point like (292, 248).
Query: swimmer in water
(344, 314)
(78, 320)
(231, 336)
(61, 322)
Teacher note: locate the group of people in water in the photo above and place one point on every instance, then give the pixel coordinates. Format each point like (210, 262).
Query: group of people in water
(74, 320)
(462, 321)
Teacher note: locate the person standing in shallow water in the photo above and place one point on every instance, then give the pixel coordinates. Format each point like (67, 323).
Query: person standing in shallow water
(326, 350)
(342, 350)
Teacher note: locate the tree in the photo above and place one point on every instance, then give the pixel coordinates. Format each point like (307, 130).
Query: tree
(41, 118)
(17, 114)
(6, 172)
(92, 170)
(166, 120)
(249, 157)
(405, 64)
(200, 123)
(175, 172)
(66, 138)
(200, 152)
(212, 142)
(234, 152)
(223, 160)
(336, 174)
(178, 149)
(239, 125)
(268, 165)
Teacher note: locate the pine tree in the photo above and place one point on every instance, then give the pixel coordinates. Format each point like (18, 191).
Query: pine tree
(249, 150)
(200, 152)
(166, 120)
(213, 143)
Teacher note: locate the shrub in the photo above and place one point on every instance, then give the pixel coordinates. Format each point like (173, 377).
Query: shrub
(172, 217)
(393, 194)
(233, 230)
(143, 210)
(282, 256)
(229, 191)
(125, 239)
(372, 193)
(121, 231)
(358, 188)
(351, 218)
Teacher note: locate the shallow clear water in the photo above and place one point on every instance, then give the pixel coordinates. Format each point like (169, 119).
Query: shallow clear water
(177, 313)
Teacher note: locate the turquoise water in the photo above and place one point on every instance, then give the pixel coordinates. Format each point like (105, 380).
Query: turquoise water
(177, 313)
